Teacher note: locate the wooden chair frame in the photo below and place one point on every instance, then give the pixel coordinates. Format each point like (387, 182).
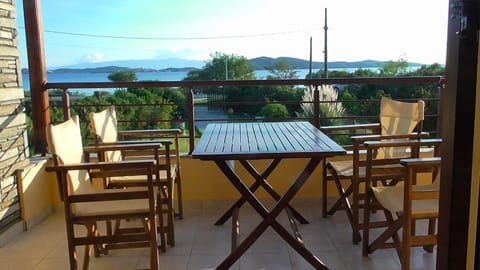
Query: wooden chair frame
(163, 135)
(103, 205)
(151, 135)
(168, 172)
(353, 171)
(406, 217)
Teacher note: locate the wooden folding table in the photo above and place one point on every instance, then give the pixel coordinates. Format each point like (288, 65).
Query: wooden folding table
(273, 141)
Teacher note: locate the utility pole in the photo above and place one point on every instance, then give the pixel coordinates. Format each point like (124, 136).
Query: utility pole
(325, 52)
(226, 68)
(310, 75)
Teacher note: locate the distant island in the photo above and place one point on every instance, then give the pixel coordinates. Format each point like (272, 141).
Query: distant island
(258, 63)
(110, 69)
(262, 62)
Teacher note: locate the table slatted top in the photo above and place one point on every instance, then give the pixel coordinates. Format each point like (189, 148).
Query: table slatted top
(264, 140)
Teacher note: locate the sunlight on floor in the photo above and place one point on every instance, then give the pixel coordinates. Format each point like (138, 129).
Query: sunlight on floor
(202, 245)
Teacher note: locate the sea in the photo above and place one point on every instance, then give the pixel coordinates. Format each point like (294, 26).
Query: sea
(142, 76)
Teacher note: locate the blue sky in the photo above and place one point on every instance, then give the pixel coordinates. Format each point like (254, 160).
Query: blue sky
(80, 31)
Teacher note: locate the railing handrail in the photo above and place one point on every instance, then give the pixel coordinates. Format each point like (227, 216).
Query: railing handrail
(190, 85)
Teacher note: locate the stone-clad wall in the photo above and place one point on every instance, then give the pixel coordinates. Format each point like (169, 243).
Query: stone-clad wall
(13, 149)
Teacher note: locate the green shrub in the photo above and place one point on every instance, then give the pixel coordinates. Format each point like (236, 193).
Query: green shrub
(274, 111)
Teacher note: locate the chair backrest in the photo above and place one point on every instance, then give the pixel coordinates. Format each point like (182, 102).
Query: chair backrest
(399, 118)
(65, 144)
(104, 127)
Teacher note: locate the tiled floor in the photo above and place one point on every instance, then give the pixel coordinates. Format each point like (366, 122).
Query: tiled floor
(202, 245)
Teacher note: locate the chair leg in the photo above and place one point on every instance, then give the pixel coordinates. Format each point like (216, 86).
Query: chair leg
(324, 190)
(166, 208)
(407, 237)
(152, 229)
(347, 206)
(390, 232)
(431, 231)
(339, 204)
(354, 208)
(86, 257)
(161, 225)
(178, 182)
(103, 249)
(91, 233)
(366, 223)
(396, 224)
(170, 216)
(381, 241)
(72, 254)
(343, 193)
(171, 232)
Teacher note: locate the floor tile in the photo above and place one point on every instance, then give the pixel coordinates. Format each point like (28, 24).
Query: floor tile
(201, 245)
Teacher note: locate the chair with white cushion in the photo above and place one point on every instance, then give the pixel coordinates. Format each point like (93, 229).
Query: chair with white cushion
(397, 120)
(104, 127)
(93, 208)
(404, 206)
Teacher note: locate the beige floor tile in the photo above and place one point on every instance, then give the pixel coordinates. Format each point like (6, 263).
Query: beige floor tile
(201, 245)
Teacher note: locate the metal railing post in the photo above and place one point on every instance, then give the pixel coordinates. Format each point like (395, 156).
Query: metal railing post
(66, 105)
(439, 109)
(191, 119)
(316, 107)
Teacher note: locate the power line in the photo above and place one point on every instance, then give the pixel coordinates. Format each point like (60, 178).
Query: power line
(178, 38)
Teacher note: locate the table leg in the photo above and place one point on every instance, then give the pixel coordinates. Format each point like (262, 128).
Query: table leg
(264, 183)
(260, 180)
(269, 218)
(253, 188)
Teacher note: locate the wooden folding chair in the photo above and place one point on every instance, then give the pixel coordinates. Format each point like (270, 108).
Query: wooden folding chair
(404, 205)
(397, 120)
(86, 206)
(104, 126)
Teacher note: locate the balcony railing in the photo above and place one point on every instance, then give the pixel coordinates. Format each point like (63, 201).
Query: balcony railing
(191, 121)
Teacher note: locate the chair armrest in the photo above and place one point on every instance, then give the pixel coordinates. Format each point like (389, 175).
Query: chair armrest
(418, 165)
(350, 130)
(403, 142)
(328, 129)
(122, 134)
(408, 162)
(410, 136)
(127, 149)
(115, 146)
(135, 142)
(110, 195)
(119, 165)
(105, 169)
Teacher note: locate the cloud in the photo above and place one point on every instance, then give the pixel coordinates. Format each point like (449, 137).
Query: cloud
(184, 53)
(94, 57)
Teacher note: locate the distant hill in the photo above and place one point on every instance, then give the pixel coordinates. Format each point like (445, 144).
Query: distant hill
(110, 69)
(183, 65)
(157, 64)
(262, 62)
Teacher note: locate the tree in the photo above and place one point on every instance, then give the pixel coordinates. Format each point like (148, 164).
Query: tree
(281, 70)
(123, 76)
(432, 70)
(394, 68)
(364, 73)
(224, 67)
